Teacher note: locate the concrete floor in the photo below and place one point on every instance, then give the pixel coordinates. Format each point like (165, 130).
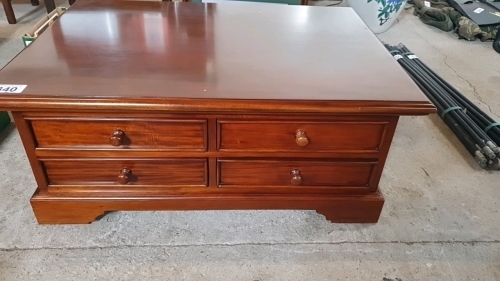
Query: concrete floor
(440, 221)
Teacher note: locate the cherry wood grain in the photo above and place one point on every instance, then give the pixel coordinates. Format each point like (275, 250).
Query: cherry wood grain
(151, 153)
(120, 133)
(300, 136)
(233, 115)
(167, 55)
(140, 172)
(64, 209)
(133, 190)
(383, 152)
(184, 106)
(29, 146)
(233, 173)
(9, 11)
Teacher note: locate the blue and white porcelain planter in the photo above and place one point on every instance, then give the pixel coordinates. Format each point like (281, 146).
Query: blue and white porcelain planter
(379, 15)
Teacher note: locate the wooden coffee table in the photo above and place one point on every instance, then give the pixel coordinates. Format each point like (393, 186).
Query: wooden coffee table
(185, 106)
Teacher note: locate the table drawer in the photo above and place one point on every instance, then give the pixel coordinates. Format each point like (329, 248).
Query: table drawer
(120, 133)
(355, 136)
(164, 172)
(294, 173)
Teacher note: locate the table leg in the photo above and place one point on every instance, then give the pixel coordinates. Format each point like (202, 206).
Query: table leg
(35, 3)
(9, 12)
(50, 5)
(54, 212)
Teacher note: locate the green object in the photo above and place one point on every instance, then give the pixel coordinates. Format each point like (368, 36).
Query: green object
(436, 14)
(4, 120)
(446, 18)
(491, 126)
(469, 30)
(450, 109)
(289, 2)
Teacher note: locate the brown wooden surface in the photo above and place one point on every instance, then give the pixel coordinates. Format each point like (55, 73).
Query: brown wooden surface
(143, 171)
(50, 5)
(26, 104)
(234, 173)
(282, 136)
(62, 209)
(78, 152)
(9, 11)
(185, 106)
(163, 55)
(329, 150)
(383, 152)
(239, 176)
(29, 144)
(138, 133)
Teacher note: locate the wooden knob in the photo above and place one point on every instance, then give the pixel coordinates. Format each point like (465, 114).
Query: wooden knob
(296, 177)
(116, 138)
(301, 138)
(124, 176)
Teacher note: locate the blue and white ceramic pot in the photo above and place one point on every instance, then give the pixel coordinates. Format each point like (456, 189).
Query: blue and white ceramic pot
(379, 15)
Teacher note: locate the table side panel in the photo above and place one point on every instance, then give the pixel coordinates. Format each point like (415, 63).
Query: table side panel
(29, 143)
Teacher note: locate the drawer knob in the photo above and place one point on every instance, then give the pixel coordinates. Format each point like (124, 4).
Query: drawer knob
(116, 138)
(301, 138)
(296, 177)
(124, 176)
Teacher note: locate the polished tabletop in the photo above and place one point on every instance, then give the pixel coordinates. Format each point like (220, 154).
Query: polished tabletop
(103, 49)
